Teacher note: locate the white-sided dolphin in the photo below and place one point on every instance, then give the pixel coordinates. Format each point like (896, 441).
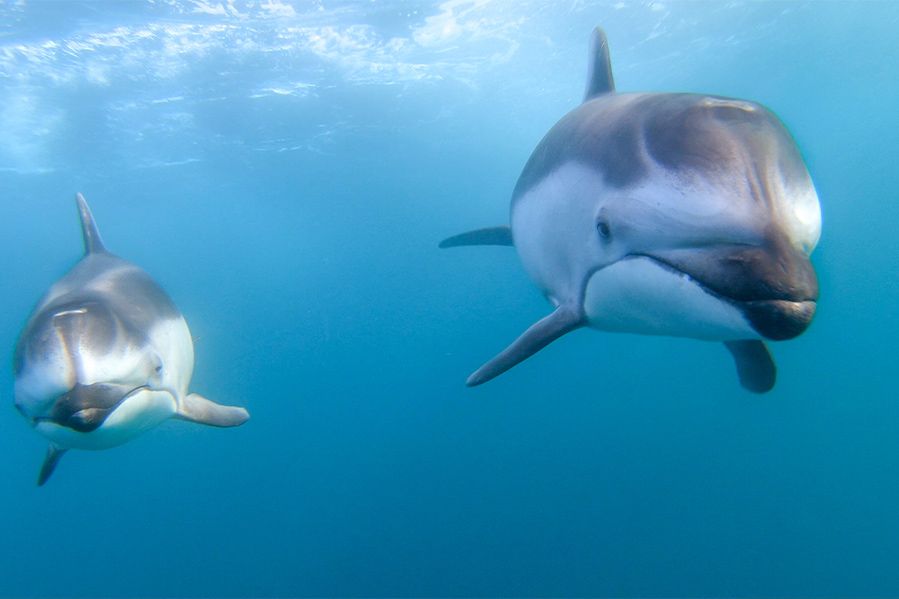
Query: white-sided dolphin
(105, 356)
(664, 214)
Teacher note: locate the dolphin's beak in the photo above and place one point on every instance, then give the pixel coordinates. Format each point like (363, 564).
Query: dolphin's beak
(774, 284)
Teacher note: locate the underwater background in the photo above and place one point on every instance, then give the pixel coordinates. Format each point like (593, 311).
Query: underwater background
(285, 170)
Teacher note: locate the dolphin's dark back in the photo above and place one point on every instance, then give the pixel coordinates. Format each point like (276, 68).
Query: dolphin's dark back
(128, 296)
(625, 135)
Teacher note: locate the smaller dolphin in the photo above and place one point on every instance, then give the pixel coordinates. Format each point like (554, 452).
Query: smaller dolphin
(105, 356)
(664, 214)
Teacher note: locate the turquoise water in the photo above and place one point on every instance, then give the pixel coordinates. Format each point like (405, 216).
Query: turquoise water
(285, 171)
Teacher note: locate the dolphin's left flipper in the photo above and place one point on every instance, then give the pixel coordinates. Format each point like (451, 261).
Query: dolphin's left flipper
(755, 367)
(488, 236)
(50, 462)
(196, 408)
(564, 320)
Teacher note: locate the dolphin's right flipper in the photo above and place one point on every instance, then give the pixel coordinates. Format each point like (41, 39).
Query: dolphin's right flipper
(539, 335)
(50, 462)
(755, 367)
(196, 408)
(488, 236)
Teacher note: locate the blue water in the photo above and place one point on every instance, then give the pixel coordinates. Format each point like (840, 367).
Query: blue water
(285, 171)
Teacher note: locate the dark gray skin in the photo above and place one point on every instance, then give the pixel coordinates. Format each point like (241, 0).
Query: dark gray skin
(739, 219)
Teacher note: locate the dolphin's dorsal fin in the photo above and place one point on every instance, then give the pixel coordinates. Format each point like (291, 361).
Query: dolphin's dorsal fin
(50, 462)
(599, 72)
(92, 241)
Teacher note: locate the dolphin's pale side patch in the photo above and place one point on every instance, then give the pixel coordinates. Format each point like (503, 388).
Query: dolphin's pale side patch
(173, 338)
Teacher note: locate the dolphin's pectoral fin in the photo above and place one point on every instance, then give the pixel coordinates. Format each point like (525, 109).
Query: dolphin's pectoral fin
(564, 320)
(196, 408)
(488, 236)
(755, 367)
(599, 73)
(50, 462)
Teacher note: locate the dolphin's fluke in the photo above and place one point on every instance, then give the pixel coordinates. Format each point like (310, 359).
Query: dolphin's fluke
(92, 241)
(488, 236)
(564, 320)
(196, 408)
(599, 71)
(755, 367)
(50, 462)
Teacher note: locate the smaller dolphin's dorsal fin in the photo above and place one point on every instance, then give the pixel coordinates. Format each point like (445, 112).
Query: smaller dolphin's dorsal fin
(599, 71)
(92, 241)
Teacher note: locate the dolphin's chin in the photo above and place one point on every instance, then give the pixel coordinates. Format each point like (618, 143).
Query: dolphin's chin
(648, 297)
(138, 411)
(774, 319)
(85, 408)
(779, 320)
(643, 294)
(773, 284)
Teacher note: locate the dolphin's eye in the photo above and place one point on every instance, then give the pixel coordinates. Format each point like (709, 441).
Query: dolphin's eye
(602, 226)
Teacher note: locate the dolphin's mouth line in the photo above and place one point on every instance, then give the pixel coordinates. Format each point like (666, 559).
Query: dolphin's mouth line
(705, 288)
(76, 416)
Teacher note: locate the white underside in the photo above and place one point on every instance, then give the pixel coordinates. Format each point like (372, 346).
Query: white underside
(140, 412)
(638, 295)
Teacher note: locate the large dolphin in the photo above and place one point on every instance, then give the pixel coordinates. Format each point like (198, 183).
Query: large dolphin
(105, 356)
(664, 214)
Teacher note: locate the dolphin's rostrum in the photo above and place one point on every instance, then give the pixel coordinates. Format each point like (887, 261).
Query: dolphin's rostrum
(664, 214)
(105, 356)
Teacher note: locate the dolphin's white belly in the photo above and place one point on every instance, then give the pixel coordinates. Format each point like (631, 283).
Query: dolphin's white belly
(638, 295)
